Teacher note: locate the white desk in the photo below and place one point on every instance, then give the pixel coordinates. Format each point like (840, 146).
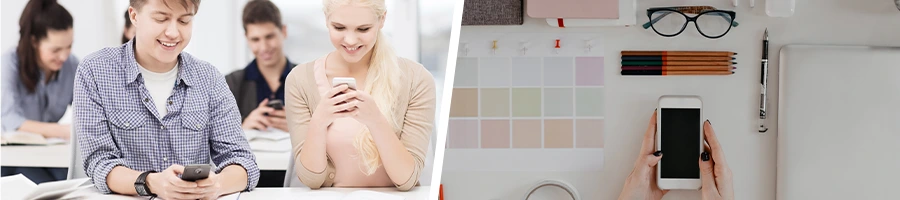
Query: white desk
(730, 102)
(420, 192)
(58, 156)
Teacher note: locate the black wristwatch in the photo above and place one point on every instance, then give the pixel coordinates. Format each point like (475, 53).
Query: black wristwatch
(141, 186)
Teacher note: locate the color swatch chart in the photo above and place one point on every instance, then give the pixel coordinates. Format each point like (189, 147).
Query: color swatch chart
(527, 103)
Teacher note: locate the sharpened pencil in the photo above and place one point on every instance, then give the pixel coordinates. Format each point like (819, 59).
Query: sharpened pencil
(673, 63)
(678, 68)
(678, 53)
(678, 58)
(674, 73)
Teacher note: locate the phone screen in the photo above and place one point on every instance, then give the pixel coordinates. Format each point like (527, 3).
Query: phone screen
(680, 143)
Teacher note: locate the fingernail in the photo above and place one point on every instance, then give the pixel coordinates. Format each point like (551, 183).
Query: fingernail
(704, 156)
(707, 121)
(657, 153)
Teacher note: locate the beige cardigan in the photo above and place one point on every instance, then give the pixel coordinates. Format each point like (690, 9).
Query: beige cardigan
(415, 109)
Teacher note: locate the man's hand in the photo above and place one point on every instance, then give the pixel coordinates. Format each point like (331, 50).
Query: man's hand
(210, 186)
(167, 185)
(257, 118)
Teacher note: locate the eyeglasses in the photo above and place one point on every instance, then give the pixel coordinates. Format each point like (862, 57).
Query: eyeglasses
(671, 21)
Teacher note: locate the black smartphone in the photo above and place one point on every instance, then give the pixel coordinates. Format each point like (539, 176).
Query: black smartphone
(276, 103)
(196, 172)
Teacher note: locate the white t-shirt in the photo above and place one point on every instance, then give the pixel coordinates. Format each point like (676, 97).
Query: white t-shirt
(160, 86)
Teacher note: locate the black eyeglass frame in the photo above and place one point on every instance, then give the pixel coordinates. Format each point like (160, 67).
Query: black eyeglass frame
(725, 14)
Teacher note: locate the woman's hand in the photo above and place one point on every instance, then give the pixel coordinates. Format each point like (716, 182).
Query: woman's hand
(338, 102)
(369, 113)
(641, 183)
(714, 171)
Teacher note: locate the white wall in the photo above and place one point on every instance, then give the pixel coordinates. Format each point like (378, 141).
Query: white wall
(93, 30)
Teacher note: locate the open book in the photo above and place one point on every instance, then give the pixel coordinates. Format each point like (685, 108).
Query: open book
(23, 138)
(20, 187)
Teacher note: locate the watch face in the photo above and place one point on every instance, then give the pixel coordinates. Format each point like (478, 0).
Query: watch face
(140, 189)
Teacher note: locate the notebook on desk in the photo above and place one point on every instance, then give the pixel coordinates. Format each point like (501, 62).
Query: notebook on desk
(838, 122)
(575, 9)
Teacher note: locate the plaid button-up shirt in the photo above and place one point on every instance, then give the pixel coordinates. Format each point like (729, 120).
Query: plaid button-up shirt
(116, 122)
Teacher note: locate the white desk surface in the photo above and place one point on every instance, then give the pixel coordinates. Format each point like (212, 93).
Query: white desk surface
(58, 156)
(420, 192)
(730, 102)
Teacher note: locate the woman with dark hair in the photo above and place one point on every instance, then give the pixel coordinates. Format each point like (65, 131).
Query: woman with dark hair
(38, 79)
(128, 32)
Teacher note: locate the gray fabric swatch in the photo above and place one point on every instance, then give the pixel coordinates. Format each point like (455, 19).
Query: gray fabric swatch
(493, 12)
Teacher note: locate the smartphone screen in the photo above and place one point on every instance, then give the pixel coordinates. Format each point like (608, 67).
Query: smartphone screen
(680, 143)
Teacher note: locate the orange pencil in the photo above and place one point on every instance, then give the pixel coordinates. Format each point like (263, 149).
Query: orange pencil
(678, 53)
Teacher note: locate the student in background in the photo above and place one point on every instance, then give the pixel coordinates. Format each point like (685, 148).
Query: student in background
(128, 32)
(263, 79)
(38, 77)
(376, 136)
(145, 109)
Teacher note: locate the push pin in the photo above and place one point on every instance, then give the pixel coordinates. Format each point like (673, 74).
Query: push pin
(465, 49)
(557, 47)
(524, 48)
(494, 47)
(588, 46)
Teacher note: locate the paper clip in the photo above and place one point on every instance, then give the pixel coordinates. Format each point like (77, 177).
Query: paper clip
(557, 47)
(494, 47)
(524, 47)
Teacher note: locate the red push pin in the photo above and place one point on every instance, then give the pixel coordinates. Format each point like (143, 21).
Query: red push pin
(556, 48)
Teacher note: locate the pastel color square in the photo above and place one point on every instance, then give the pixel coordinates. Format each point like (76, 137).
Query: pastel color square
(589, 102)
(494, 72)
(558, 102)
(588, 71)
(495, 102)
(462, 133)
(558, 133)
(526, 102)
(464, 103)
(466, 72)
(526, 72)
(495, 133)
(526, 133)
(559, 71)
(589, 133)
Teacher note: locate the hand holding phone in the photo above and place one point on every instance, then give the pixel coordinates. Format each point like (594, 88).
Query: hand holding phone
(349, 81)
(679, 136)
(277, 104)
(196, 172)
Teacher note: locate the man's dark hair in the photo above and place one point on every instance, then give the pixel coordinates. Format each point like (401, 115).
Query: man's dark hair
(261, 11)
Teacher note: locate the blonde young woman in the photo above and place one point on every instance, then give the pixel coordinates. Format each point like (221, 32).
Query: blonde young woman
(375, 136)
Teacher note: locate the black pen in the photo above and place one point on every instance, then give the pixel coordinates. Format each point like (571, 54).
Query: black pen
(764, 76)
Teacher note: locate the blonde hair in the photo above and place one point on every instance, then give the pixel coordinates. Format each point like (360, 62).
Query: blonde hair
(382, 85)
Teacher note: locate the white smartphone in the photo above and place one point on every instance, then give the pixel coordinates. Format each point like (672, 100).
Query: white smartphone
(679, 135)
(344, 80)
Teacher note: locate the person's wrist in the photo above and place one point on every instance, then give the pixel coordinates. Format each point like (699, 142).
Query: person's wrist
(150, 182)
